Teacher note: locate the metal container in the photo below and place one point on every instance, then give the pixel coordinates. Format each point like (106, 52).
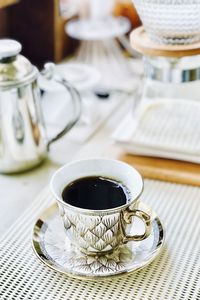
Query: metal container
(171, 78)
(23, 140)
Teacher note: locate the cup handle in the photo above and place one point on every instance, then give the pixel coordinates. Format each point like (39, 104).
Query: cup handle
(126, 217)
(49, 73)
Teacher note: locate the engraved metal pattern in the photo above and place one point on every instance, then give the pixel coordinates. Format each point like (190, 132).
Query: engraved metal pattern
(56, 250)
(92, 233)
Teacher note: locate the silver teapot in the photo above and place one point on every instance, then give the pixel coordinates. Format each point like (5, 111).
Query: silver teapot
(23, 139)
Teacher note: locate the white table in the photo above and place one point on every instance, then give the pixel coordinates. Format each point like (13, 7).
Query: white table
(173, 275)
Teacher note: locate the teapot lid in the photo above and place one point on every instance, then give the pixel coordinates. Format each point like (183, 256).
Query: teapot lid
(15, 69)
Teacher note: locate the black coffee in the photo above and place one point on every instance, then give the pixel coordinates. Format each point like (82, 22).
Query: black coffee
(95, 193)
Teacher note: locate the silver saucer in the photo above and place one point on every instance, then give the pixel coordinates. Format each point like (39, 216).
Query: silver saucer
(54, 249)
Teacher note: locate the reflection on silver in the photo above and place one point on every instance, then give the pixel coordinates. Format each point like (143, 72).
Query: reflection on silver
(18, 126)
(172, 70)
(55, 250)
(23, 140)
(20, 129)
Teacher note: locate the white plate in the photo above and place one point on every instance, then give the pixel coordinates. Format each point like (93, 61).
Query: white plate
(168, 129)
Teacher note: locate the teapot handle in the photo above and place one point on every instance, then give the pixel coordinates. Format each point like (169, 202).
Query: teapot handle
(49, 73)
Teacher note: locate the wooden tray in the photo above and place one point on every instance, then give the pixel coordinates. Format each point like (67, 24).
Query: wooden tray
(164, 169)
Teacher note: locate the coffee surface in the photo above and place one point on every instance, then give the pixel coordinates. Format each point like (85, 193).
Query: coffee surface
(96, 193)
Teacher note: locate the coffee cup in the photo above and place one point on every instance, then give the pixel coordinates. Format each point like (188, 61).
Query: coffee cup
(103, 226)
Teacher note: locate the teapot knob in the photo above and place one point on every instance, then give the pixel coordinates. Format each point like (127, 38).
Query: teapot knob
(9, 48)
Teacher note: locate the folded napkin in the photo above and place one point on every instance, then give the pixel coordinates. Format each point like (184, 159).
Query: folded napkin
(166, 128)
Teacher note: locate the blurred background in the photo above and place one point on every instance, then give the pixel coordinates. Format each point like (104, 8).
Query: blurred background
(39, 25)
